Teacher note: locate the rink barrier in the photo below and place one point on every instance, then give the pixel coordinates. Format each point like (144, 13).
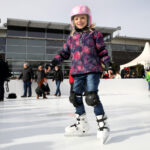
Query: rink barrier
(107, 86)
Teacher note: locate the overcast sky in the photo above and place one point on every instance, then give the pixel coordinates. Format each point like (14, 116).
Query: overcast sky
(132, 15)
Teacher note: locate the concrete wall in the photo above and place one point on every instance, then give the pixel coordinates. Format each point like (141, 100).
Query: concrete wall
(107, 86)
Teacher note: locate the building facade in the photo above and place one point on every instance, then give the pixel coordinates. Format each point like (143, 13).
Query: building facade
(37, 42)
(125, 49)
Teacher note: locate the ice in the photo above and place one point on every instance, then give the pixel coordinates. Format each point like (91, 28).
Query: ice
(27, 123)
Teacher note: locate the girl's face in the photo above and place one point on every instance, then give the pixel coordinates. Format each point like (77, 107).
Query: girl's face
(80, 21)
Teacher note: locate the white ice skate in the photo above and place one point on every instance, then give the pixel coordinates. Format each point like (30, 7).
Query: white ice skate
(103, 129)
(80, 128)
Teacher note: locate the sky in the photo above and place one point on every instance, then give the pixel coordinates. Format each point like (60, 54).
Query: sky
(132, 15)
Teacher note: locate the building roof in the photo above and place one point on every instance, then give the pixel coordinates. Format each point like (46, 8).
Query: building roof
(52, 25)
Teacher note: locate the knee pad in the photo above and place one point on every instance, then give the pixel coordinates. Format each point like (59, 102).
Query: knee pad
(73, 99)
(92, 98)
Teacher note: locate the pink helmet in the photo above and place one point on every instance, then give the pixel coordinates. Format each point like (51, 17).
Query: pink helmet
(81, 9)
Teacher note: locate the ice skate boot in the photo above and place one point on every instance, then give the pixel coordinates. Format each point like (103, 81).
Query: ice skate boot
(80, 128)
(103, 129)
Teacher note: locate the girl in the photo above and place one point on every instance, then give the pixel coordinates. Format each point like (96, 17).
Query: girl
(86, 47)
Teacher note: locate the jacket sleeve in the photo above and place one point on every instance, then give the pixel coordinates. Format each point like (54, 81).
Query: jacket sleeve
(54, 76)
(20, 76)
(101, 48)
(64, 54)
(31, 74)
(62, 77)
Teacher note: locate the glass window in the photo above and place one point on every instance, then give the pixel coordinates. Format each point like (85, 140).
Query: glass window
(2, 41)
(16, 31)
(118, 47)
(36, 42)
(52, 50)
(16, 49)
(54, 43)
(35, 56)
(66, 34)
(12, 41)
(49, 57)
(2, 48)
(15, 56)
(132, 47)
(57, 34)
(36, 50)
(36, 32)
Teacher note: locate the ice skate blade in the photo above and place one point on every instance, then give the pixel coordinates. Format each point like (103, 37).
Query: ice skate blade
(104, 139)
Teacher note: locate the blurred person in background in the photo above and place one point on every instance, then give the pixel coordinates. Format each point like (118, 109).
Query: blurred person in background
(58, 78)
(27, 77)
(148, 78)
(4, 75)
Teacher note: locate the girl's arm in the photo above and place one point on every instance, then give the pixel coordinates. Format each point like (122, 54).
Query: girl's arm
(101, 49)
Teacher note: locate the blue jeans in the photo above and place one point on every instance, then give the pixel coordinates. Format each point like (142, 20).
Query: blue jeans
(27, 86)
(88, 83)
(58, 92)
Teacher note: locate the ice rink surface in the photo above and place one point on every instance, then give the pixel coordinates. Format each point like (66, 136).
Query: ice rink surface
(30, 124)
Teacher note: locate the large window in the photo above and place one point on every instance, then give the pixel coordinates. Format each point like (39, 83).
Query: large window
(32, 45)
(35, 50)
(36, 42)
(35, 56)
(16, 31)
(49, 56)
(118, 47)
(53, 33)
(36, 32)
(13, 41)
(52, 50)
(2, 49)
(16, 56)
(132, 47)
(123, 47)
(36, 47)
(2, 44)
(16, 49)
(54, 43)
(66, 34)
(2, 40)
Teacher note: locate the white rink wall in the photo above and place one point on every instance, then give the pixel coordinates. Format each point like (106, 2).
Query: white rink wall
(107, 86)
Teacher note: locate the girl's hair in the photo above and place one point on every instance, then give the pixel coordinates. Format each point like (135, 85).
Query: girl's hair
(88, 29)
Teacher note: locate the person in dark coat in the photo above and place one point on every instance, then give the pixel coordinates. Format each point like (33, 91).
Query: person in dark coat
(27, 77)
(58, 77)
(4, 75)
(40, 74)
(39, 77)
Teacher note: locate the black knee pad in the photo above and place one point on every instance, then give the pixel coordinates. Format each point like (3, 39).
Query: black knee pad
(92, 98)
(73, 100)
